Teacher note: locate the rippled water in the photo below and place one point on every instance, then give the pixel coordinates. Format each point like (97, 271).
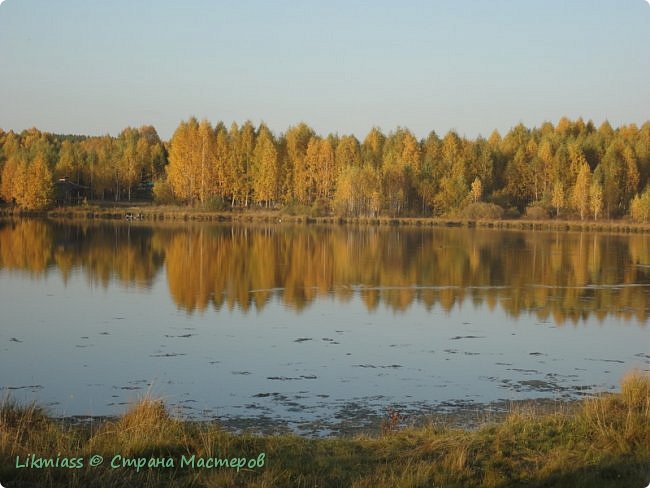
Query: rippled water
(314, 327)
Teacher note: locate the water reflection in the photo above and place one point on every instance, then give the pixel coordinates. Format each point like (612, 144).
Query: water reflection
(563, 276)
(104, 253)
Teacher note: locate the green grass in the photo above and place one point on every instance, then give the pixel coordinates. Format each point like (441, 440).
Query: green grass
(604, 442)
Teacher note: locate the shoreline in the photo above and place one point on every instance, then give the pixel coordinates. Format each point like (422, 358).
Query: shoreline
(159, 213)
(459, 415)
(600, 441)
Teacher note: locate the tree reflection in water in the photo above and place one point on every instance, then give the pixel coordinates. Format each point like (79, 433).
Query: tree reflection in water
(564, 275)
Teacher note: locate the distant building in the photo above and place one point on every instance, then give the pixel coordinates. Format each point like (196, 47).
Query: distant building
(67, 192)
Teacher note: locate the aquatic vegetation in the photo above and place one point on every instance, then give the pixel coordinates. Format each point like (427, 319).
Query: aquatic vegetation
(603, 441)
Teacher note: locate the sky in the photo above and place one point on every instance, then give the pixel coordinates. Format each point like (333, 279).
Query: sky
(342, 66)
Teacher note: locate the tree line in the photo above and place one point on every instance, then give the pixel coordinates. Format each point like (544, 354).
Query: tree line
(107, 167)
(572, 169)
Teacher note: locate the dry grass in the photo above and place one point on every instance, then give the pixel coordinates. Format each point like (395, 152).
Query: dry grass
(179, 213)
(605, 442)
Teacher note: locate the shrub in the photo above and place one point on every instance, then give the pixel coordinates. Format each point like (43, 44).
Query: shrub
(537, 212)
(294, 208)
(215, 204)
(320, 208)
(511, 213)
(482, 211)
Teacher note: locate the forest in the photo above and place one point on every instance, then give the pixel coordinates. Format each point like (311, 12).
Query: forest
(571, 170)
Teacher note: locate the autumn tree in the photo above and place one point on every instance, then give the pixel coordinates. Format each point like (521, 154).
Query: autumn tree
(304, 172)
(477, 189)
(596, 199)
(612, 174)
(183, 170)
(298, 139)
(452, 193)
(69, 164)
(401, 166)
(156, 158)
(207, 169)
(631, 170)
(557, 199)
(39, 189)
(8, 177)
(518, 179)
(640, 207)
(325, 170)
(372, 149)
(19, 183)
(242, 146)
(545, 171)
(480, 164)
(129, 162)
(224, 178)
(576, 161)
(348, 196)
(580, 197)
(348, 153)
(264, 169)
(102, 173)
(430, 171)
(453, 187)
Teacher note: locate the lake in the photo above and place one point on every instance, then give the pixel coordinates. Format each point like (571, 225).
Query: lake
(313, 328)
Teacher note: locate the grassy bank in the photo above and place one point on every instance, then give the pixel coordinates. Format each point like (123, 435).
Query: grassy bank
(170, 213)
(605, 442)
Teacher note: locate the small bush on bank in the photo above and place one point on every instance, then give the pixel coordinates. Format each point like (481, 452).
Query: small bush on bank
(482, 211)
(295, 208)
(320, 208)
(536, 212)
(215, 204)
(511, 213)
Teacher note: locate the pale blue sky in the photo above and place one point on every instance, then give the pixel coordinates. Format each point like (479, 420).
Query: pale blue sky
(97, 66)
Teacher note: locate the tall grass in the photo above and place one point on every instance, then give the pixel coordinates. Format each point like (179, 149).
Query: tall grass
(605, 441)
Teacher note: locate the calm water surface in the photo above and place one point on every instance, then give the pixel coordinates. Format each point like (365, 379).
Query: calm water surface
(313, 327)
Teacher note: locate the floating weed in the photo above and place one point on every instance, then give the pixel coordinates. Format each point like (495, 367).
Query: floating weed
(604, 441)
